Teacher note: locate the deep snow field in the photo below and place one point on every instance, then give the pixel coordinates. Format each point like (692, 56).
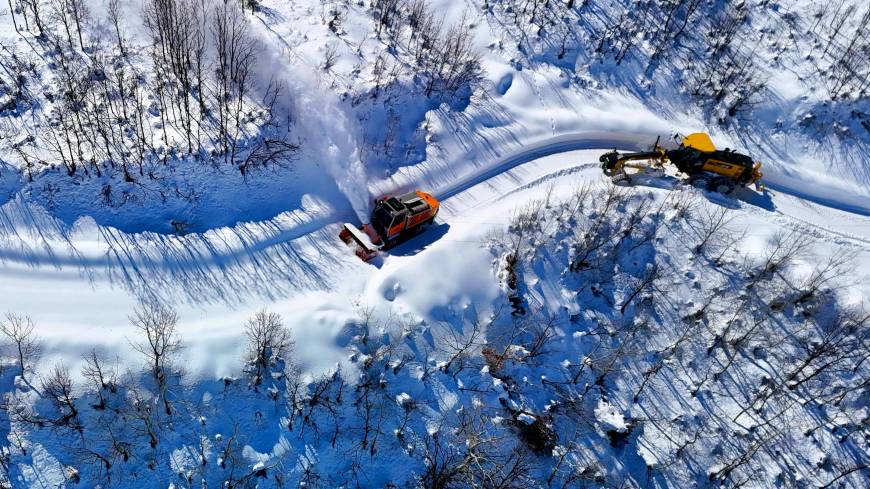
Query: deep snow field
(424, 358)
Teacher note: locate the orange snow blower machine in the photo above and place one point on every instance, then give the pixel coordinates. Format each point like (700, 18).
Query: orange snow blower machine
(393, 220)
(696, 157)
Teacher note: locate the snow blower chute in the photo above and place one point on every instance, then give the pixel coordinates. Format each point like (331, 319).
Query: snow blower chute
(393, 220)
(696, 156)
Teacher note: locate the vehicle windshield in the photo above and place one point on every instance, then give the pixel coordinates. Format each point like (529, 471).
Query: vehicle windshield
(382, 218)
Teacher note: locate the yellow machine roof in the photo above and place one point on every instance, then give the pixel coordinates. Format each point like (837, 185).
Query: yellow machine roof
(700, 141)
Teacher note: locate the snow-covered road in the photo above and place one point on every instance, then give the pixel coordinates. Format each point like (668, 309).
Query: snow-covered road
(35, 238)
(81, 284)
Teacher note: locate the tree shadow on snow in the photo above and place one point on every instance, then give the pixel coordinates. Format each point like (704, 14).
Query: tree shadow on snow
(10, 182)
(268, 259)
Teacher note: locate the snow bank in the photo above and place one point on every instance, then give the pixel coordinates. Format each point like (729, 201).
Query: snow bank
(426, 285)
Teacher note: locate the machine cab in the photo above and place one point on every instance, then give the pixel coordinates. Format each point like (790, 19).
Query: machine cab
(389, 217)
(394, 215)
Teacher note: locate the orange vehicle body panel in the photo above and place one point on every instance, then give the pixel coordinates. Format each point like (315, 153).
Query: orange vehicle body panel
(415, 220)
(432, 201)
(396, 230)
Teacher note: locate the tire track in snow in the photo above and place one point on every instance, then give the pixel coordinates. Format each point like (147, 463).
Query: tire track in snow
(816, 229)
(249, 243)
(564, 172)
(547, 147)
(212, 248)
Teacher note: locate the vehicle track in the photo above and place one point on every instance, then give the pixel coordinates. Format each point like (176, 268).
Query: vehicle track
(280, 233)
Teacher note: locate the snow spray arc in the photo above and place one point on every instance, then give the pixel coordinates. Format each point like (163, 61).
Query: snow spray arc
(327, 131)
(330, 135)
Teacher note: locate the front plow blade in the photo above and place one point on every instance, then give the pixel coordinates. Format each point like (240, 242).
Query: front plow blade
(366, 249)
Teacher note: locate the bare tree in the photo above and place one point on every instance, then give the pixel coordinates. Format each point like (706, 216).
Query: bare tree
(454, 64)
(307, 401)
(174, 29)
(103, 378)
(12, 14)
(461, 348)
(57, 387)
(141, 409)
(472, 455)
(268, 343)
(61, 12)
(160, 343)
(783, 250)
(34, 7)
(236, 51)
(600, 232)
(744, 456)
(78, 12)
(387, 14)
(114, 12)
(839, 343)
(20, 331)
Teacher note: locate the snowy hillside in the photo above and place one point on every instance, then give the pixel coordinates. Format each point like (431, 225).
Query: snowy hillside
(178, 311)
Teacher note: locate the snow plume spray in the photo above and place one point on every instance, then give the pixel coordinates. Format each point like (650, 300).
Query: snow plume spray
(328, 132)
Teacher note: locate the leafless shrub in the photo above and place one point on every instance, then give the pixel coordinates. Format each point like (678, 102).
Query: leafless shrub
(110, 439)
(103, 378)
(725, 79)
(646, 284)
(744, 456)
(70, 13)
(372, 406)
(526, 340)
(648, 375)
(525, 227)
(610, 356)
(844, 56)
(682, 203)
(387, 14)
(839, 345)
(33, 9)
(269, 344)
(307, 401)
(461, 348)
(114, 15)
(823, 277)
(539, 337)
(470, 455)
(89, 455)
(237, 472)
(709, 228)
(174, 28)
(846, 472)
(141, 409)
(57, 387)
(783, 250)
(330, 57)
(601, 230)
(449, 63)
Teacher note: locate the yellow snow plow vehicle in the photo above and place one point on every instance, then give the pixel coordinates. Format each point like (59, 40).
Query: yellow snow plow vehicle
(696, 157)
